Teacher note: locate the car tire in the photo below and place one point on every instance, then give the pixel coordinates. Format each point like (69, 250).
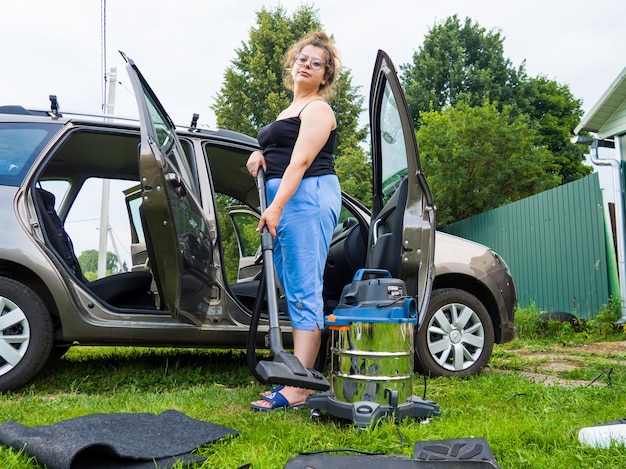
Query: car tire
(455, 337)
(26, 334)
(558, 316)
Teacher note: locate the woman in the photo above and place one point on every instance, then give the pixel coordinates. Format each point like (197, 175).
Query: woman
(304, 198)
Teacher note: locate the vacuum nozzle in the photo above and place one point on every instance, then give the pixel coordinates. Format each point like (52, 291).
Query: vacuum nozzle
(286, 369)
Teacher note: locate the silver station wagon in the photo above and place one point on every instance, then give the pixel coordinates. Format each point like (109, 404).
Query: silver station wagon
(191, 208)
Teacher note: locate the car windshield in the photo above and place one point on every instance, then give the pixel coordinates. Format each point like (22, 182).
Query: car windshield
(393, 149)
(20, 143)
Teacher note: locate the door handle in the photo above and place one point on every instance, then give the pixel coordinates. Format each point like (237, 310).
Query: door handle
(375, 231)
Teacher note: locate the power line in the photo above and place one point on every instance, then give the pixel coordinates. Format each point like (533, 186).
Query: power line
(82, 220)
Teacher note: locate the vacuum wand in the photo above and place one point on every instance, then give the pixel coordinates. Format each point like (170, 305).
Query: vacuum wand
(285, 369)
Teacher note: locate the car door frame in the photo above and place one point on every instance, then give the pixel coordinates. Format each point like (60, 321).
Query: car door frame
(182, 263)
(418, 223)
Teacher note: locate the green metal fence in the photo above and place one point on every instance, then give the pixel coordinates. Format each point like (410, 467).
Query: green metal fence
(555, 244)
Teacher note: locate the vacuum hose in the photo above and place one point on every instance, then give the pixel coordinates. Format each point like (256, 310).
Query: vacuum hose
(285, 368)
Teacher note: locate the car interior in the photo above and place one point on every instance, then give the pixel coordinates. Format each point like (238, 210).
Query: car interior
(123, 290)
(347, 252)
(73, 160)
(112, 155)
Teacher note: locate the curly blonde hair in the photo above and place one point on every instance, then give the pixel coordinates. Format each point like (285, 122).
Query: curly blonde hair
(331, 56)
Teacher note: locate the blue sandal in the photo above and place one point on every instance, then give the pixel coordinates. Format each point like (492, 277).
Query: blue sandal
(276, 388)
(278, 401)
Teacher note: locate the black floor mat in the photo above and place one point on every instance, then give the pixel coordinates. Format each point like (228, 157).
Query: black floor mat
(333, 461)
(124, 440)
(460, 449)
(462, 453)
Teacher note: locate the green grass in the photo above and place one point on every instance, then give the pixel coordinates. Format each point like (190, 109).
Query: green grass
(527, 425)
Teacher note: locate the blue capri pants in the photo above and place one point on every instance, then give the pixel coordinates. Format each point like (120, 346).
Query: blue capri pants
(301, 245)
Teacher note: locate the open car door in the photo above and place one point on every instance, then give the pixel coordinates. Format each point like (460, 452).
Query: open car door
(177, 233)
(402, 230)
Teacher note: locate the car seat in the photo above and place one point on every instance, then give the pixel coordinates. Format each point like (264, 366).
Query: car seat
(124, 290)
(385, 237)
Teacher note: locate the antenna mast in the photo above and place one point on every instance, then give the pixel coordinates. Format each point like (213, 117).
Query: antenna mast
(108, 108)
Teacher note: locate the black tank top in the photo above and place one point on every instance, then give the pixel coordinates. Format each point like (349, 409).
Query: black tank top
(277, 141)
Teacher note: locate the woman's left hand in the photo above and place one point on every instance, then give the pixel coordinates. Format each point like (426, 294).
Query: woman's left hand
(255, 161)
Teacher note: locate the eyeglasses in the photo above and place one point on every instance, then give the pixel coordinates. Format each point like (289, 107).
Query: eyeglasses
(301, 59)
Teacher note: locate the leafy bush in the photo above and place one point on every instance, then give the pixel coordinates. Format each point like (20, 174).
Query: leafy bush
(605, 321)
(532, 324)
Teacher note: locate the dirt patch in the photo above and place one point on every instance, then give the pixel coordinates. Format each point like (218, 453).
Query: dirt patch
(549, 379)
(599, 348)
(556, 359)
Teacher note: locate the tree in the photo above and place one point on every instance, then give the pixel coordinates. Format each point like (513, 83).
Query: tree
(554, 112)
(355, 173)
(353, 167)
(478, 158)
(458, 62)
(464, 62)
(88, 261)
(253, 93)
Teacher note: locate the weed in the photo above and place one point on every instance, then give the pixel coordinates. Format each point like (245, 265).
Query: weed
(605, 321)
(527, 322)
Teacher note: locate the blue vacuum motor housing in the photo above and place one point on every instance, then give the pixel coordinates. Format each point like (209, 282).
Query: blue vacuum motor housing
(373, 296)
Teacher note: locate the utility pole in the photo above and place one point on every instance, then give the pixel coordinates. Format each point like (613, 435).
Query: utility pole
(106, 188)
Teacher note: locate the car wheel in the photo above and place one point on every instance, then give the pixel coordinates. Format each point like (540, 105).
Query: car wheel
(26, 334)
(456, 336)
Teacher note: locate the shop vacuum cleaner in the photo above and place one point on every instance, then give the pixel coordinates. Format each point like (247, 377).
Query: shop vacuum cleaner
(372, 354)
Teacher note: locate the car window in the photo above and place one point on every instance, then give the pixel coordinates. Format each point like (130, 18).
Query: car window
(58, 188)
(83, 221)
(168, 142)
(232, 248)
(393, 148)
(246, 225)
(344, 214)
(20, 143)
(190, 157)
(133, 204)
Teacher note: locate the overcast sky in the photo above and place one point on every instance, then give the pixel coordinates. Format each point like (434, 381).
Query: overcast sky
(183, 47)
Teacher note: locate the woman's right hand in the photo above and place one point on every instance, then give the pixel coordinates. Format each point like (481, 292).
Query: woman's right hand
(270, 218)
(256, 160)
